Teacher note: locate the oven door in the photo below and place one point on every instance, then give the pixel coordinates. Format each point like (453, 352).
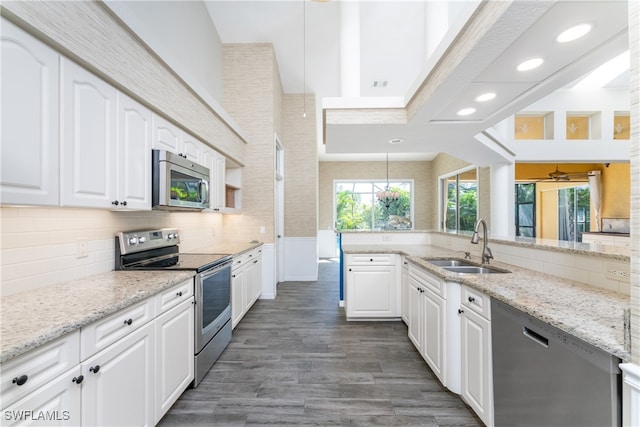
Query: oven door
(179, 183)
(213, 308)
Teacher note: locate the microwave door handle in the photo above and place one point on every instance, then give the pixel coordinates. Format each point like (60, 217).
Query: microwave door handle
(204, 190)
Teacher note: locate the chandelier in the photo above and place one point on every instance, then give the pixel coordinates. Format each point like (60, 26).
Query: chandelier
(387, 197)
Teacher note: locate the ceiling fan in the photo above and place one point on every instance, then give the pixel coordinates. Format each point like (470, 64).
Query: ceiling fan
(557, 175)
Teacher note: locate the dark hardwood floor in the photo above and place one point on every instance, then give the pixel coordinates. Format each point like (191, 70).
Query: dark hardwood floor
(296, 361)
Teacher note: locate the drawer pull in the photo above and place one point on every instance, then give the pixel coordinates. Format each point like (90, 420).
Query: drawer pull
(371, 259)
(179, 294)
(20, 380)
(471, 299)
(94, 369)
(128, 321)
(460, 311)
(78, 379)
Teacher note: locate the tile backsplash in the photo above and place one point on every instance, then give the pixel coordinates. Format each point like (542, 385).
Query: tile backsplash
(45, 246)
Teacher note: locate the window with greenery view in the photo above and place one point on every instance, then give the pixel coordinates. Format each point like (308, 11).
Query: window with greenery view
(357, 208)
(526, 210)
(460, 196)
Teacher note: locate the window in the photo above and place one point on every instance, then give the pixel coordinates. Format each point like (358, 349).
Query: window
(574, 214)
(356, 206)
(526, 210)
(460, 201)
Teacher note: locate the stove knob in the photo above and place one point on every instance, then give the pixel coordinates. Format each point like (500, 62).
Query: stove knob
(133, 240)
(141, 240)
(170, 236)
(176, 235)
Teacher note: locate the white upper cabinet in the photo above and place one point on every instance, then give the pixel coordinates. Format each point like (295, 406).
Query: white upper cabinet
(29, 102)
(134, 154)
(191, 148)
(89, 138)
(216, 164)
(166, 135)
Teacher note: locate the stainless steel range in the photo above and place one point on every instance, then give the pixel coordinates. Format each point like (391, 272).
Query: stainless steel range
(158, 250)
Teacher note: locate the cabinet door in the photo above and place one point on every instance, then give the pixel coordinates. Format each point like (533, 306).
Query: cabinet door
(434, 324)
(119, 382)
(29, 116)
(134, 154)
(238, 289)
(476, 364)
(257, 275)
(216, 164)
(174, 355)
(191, 148)
(371, 291)
(89, 138)
(416, 314)
(166, 135)
(249, 298)
(55, 404)
(404, 284)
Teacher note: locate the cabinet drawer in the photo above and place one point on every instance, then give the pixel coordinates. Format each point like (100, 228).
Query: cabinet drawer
(437, 286)
(174, 296)
(106, 331)
(39, 366)
(476, 301)
(241, 260)
(371, 259)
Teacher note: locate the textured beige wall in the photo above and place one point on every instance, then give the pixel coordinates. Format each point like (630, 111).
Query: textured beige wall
(300, 167)
(634, 46)
(250, 97)
(420, 172)
(88, 33)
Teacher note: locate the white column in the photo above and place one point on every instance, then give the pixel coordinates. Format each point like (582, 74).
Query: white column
(350, 49)
(436, 24)
(502, 200)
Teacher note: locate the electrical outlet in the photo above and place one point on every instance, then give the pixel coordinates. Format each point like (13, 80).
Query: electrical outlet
(82, 248)
(262, 229)
(618, 272)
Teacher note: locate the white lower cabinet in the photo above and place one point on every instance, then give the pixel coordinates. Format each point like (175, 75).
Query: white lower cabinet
(404, 292)
(427, 324)
(126, 369)
(42, 387)
(372, 286)
(174, 356)
(246, 283)
(477, 380)
(119, 382)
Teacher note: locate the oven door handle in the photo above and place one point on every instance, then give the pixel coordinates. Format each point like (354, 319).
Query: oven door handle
(208, 273)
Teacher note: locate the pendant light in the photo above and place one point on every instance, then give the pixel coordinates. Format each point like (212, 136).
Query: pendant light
(387, 197)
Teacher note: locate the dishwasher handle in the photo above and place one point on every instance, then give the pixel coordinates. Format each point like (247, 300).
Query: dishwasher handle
(536, 337)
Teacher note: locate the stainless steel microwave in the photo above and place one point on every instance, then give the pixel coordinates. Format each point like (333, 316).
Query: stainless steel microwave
(178, 183)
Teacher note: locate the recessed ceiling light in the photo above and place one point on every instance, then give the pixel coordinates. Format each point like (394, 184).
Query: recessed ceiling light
(573, 33)
(485, 97)
(466, 111)
(530, 64)
(396, 141)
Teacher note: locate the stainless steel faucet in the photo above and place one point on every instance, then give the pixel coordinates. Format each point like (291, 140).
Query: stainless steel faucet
(486, 251)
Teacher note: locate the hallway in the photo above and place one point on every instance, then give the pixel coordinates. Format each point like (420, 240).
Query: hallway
(296, 361)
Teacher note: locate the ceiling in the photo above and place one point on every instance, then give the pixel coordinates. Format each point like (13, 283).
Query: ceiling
(306, 36)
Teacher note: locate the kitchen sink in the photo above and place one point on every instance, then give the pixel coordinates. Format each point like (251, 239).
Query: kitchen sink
(475, 269)
(449, 262)
(461, 266)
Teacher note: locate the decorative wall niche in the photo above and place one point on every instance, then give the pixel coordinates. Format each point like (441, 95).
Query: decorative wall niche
(621, 125)
(533, 126)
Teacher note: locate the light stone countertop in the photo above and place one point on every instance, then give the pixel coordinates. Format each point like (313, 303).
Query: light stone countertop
(594, 315)
(32, 318)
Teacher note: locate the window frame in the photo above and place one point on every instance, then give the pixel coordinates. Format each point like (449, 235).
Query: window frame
(442, 197)
(373, 182)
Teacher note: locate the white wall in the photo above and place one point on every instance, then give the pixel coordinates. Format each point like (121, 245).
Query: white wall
(183, 35)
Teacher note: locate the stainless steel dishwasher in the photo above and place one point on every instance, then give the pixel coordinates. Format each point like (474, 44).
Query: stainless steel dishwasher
(543, 376)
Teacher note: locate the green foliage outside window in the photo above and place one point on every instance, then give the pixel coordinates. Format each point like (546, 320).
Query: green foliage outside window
(357, 207)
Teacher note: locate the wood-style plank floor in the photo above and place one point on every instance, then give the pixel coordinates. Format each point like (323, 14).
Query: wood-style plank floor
(296, 361)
